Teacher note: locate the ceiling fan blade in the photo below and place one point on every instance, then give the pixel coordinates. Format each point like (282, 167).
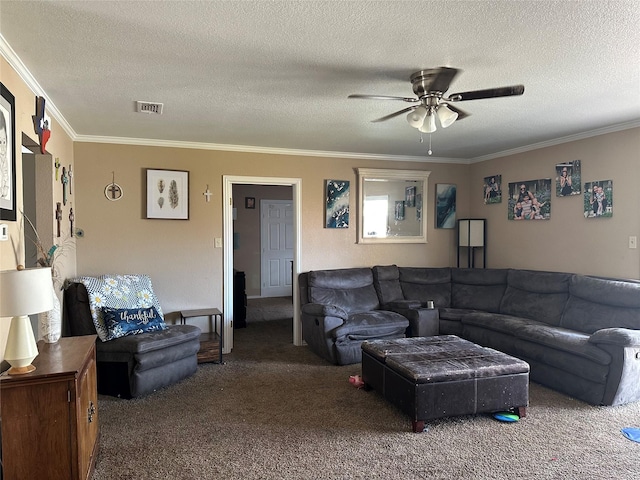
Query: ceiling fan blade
(461, 113)
(488, 93)
(395, 114)
(383, 97)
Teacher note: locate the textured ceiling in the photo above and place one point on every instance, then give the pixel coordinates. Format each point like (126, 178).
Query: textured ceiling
(276, 74)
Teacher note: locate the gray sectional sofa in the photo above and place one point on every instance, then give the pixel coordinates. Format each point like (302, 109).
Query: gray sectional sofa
(579, 334)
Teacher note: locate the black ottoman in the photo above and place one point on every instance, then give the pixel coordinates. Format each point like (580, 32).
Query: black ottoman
(433, 377)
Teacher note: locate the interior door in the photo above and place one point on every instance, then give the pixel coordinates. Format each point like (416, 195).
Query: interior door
(277, 242)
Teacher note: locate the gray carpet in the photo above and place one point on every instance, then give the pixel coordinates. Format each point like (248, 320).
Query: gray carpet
(275, 411)
(269, 308)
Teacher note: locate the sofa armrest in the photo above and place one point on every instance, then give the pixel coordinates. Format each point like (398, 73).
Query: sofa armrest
(423, 322)
(623, 337)
(319, 310)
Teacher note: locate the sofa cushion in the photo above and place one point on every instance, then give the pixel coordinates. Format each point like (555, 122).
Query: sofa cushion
(597, 303)
(349, 288)
(374, 324)
(118, 291)
(478, 289)
(425, 284)
(122, 349)
(536, 295)
(570, 341)
(386, 279)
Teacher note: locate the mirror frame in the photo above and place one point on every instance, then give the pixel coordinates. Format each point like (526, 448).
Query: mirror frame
(388, 174)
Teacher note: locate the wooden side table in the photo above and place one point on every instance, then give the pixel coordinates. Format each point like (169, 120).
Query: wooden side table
(211, 342)
(50, 425)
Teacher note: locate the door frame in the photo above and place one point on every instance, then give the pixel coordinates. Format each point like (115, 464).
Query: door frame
(227, 264)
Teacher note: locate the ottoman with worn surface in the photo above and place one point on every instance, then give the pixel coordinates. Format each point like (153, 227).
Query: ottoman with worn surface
(433, 377)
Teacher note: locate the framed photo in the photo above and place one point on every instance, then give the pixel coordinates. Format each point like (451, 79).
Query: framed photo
(598, 199)
(399, 210)
(445, 205)
(568, 178)
(337, 204)
(250, 202)
(410, 197)
(493, 189)
(7, 155)
(530, 200)
(168, 194)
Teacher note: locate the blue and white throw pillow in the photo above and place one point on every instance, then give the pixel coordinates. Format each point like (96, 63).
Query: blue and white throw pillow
(118, 292)
(131, 321)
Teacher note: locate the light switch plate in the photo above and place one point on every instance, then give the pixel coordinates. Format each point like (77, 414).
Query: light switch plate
(4, 232)
(633, 242)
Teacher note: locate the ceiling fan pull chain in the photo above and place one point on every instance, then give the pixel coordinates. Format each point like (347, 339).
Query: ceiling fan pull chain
(429, 151)
(421, 139)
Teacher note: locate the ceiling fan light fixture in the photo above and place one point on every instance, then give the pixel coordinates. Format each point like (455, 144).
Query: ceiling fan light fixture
(416, 117)
(429, 124)
(446, 116)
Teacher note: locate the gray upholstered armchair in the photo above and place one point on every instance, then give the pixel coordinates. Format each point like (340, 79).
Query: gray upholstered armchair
(340, 309)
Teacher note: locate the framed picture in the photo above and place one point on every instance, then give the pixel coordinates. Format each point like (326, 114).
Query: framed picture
(399, 212)
(568, 178)
(445, 205)
(493, 189)
(7, 155)
(168, 194)
(337, 204)
(598, 199)
(410, 197)
(530, 200)
(250, 202)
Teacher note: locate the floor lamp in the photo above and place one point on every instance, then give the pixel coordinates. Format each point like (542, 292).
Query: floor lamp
(22, 293)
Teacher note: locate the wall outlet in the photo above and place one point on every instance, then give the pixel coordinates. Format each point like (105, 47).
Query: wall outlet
(633, 242)
(217, 242)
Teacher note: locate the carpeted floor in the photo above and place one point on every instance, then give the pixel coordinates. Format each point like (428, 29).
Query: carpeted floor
(269, 308)
(276, 411)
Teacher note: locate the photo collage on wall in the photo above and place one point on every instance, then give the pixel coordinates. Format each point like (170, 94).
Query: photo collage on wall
(531, 199)
(493, 189)
(598, 199)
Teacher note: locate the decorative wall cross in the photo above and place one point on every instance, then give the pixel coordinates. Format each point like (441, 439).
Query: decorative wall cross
(207, 194)
(58, 215)
(65, 181)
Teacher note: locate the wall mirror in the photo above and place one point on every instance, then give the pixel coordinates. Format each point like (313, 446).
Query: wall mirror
(391, 206)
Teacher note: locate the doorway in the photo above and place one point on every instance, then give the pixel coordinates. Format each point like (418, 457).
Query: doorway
(228, 243)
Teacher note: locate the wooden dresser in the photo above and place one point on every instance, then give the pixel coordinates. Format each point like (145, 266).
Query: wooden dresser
(49, 417)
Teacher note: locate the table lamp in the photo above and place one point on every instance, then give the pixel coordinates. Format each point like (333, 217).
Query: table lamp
(22, 293)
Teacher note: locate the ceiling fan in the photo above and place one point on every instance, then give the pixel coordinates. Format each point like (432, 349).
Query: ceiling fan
(430, 86)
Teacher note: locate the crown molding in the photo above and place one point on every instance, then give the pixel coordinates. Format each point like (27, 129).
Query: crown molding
(557, 141)
(23, 72)
(262, 150)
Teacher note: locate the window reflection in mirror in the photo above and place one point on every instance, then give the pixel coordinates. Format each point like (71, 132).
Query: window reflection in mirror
(391, 206)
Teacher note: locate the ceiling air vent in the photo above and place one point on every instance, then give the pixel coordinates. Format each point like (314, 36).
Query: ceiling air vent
(149, 107)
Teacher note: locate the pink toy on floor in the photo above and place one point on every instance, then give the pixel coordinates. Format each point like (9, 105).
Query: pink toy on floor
(356, 381)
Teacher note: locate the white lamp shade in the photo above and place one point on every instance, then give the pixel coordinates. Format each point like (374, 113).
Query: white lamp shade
(429, 124)
(25, 292)
(416, 118)
(446, 116)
